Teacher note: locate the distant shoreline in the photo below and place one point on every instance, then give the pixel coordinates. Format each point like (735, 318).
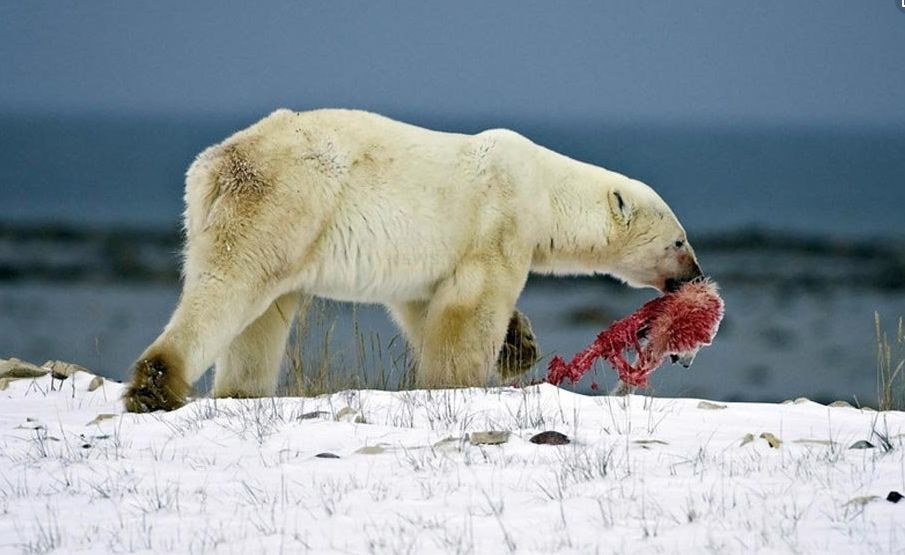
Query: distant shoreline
(71, 254)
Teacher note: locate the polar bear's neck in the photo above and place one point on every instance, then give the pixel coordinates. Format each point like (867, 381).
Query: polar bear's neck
(578, 240)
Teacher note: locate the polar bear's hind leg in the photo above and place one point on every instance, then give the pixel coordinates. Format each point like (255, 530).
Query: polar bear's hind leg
(250, 366)
(237, 263)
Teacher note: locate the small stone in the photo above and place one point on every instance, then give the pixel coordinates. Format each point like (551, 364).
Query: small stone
(772, 440)
(326, 456)
(802, 400)
(488, 438)
(894, 497)
(371, 450)
(100, 418)
(62, 370)
(314, 414)
(346, 414)
(550, 437)
(841, 404)
(746, 440)
(17, 369)
(449, 444)
(650, 442)
(862, 444)
(807, 441)
(95, 383)
(707, 405)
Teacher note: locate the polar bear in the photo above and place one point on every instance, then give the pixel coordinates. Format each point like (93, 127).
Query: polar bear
(442, 228)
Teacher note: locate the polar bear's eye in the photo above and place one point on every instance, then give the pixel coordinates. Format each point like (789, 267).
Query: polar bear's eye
(679, 244)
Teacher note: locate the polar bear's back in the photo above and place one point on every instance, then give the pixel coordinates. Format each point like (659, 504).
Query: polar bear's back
(383, 200)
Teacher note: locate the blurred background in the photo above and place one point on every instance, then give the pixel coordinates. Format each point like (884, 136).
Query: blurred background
(775, 130)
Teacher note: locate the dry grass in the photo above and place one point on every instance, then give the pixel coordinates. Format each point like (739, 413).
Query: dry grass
(318, 364)
(890, 363)
(326, 354)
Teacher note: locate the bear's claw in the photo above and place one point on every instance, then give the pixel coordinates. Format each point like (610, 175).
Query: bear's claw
(155, 386)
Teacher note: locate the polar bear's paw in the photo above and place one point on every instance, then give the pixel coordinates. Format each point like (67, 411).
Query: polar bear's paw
(155, 386)
(519, 351)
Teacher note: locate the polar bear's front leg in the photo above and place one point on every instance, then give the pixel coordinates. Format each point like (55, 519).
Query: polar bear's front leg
(465, 325)
(518, 353)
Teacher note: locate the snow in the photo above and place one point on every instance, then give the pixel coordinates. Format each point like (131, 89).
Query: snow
(642, 475)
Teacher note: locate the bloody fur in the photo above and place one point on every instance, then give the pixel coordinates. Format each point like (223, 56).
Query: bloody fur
(673, 324)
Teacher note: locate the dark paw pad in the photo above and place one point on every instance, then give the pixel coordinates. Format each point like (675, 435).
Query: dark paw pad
(155, 386)
(519, 351)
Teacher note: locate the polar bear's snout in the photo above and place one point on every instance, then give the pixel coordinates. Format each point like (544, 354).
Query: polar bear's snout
(693, 273)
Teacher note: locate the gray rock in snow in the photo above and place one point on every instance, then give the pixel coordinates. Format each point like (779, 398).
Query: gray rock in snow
(488, 438)
(18, 369)
(862, 444)
(550, 437)
(61, 370)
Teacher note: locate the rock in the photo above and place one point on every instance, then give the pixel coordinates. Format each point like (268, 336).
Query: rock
(550, 437)
(650, 442)
(842, 404)
(774, 441)
(100, 418)
(18, 369)
(802, 400)
(707, 405)
(95, 383)
(807, 441)
(62, 370)
(326, 456)
(371, 450)
(488, 438)
(449, 444)
(314, 414)
(894, 497)
(862, 444)
(746, 440)
(348, 414)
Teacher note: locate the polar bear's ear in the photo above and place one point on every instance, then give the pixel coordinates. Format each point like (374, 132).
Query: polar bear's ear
(620, 207)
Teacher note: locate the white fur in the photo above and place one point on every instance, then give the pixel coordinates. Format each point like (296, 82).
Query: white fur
(442, 228)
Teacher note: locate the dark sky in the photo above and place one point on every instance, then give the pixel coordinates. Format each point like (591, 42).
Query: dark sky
(831, 61)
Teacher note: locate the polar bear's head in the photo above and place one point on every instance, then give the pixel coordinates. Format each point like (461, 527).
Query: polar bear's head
(652, 247)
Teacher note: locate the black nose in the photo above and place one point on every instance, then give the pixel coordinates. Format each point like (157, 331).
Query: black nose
(673, 285)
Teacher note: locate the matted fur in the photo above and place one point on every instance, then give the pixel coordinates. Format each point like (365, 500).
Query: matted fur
(441, 228)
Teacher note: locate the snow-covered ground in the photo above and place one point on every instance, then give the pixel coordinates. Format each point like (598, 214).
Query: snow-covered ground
(399, 473)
